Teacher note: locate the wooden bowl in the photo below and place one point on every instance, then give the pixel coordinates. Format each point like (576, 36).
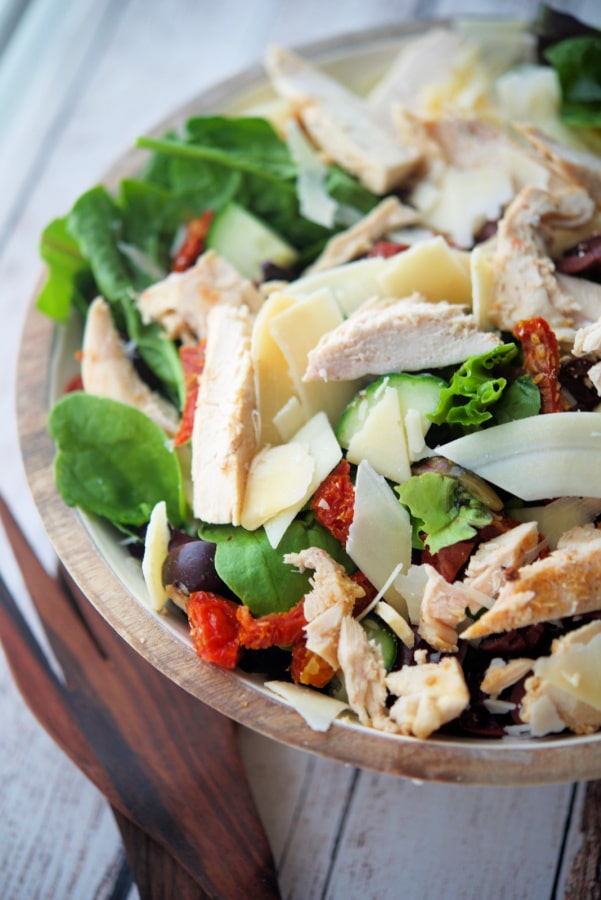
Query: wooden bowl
(112, 581)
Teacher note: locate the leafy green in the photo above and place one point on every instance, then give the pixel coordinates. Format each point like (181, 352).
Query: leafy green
(97, 225)
(474, 388)
(520, 400)
(256, 572)
(69, 276)
(577, 61)
(113, 461)
(442, 510)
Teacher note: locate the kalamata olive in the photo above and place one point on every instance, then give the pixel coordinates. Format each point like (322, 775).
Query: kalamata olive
(192, 565)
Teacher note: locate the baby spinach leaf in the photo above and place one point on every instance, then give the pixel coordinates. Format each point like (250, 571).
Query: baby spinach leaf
(113, 461)
(256, 572)
(69, 278)
(577, 61)
(520, 400)
(441, 510)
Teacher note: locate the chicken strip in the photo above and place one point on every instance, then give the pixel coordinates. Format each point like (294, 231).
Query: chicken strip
(524, 274)
(339, 122)
(497, 560)
(443, 609)
(224, 439)
(567, 582)
(364, 673)
(397, 335)
(428, 696)
(360, 238)
(182, 301)
(107, 372)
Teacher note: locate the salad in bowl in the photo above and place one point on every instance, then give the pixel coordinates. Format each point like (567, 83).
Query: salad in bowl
(339, 383)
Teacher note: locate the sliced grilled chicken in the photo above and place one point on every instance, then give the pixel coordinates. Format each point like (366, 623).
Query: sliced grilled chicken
(390, 335)
(567, 582)
(360, 238)
(107, 371)
(183, 300)
(339, 123)
(224, 434)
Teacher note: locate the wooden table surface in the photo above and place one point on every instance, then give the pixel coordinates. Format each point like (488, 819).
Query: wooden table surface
(79, 81)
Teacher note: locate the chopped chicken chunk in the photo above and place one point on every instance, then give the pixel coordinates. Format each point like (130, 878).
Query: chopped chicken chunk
(500, 675)
(588, 340)
(565, 583)
(183, 300)
(391, 335)
(443, 609)
(330, 601)
(224, 434)
(564, 690)
(497, 560)
(428, 696)
(359, 238)
(340, 123)
(525, 282)
(571, 165)
(107, 372)
(364, 673)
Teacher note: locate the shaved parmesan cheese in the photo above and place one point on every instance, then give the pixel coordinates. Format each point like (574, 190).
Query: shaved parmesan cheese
(411, 586)
(156, 547)
(382, 440)
(278, 478)
(315, 202)
(483, 284)
(575, 664)
(433, 269)
(318, 710)
(351, 284)
(535, 458)
(380, 534)
(289, 419)
(464, 200)
(396, 622)
(296, 330)
(319, 439)
(273, 383)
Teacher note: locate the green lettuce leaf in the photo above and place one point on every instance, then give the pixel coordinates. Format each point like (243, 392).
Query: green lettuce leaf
(442, 510)
(69, 280)
(257, 573)
(474, 387)
(113, 461)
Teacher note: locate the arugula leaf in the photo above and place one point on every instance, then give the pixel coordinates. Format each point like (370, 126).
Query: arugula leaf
(256, 572)
(69, 278)
(442, 509)
(577, 62)
(474, 388)
(113, 461)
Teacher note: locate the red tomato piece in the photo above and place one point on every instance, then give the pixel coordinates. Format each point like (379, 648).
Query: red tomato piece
(541, 361)
(386, 249)
(194, 242)
(272, 630)
(214, 628)
(309, 668)
(193, 360)
(334, 502)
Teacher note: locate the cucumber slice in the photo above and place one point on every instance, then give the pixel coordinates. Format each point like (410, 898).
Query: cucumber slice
(246, 242)
(386, 423)
(382, 635)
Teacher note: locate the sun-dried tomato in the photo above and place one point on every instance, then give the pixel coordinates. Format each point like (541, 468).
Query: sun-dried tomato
(541, 361)
(194, 242)
(272, 630)
(193, 360)
(386, 249)
(334, 501)
(449, 561)
(309, 668)
(362, 603)
(214, 628)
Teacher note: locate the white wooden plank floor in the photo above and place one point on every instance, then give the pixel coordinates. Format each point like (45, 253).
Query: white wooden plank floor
(79, 81)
